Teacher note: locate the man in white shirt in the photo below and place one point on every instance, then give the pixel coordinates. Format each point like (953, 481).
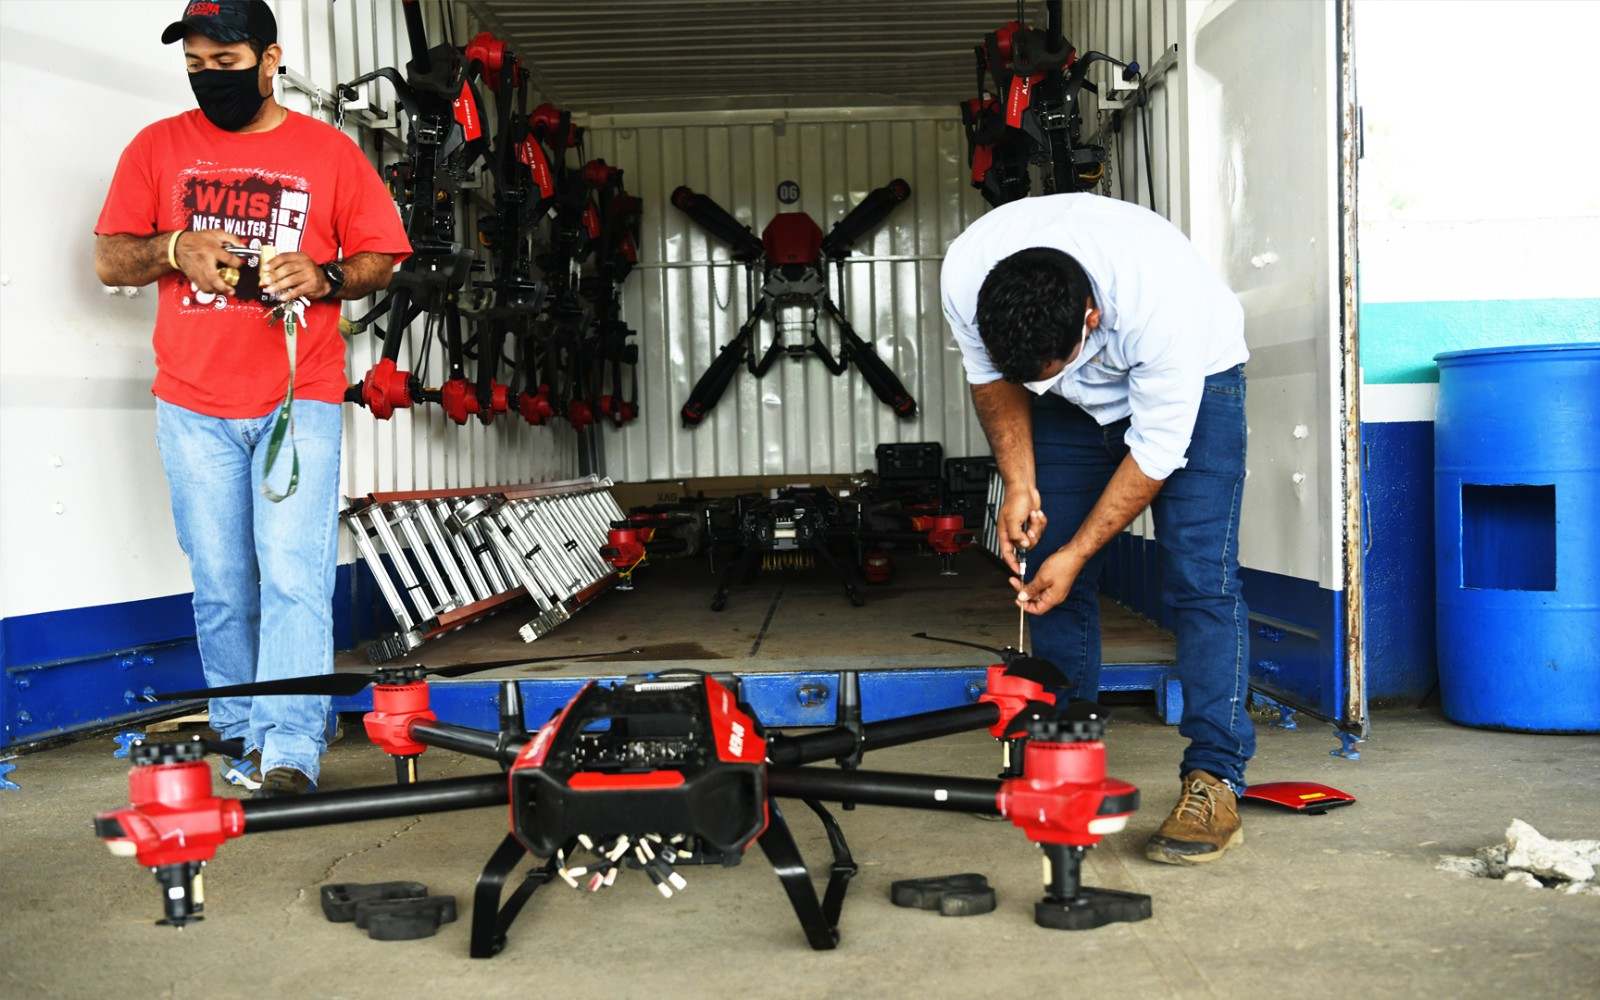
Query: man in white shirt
(1106, 361)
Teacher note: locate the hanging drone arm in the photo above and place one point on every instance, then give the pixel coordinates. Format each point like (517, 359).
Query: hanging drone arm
(828, 744)
(885, 384)
(886, 788)
(1007, 696)
(865, 217)
(709, 389)
(714, 219)
(356, 805)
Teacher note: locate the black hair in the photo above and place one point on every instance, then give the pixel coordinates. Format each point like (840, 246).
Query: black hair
(1030, 311)
(258, 47)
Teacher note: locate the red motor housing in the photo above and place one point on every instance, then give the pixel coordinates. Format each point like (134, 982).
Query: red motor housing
(386, 389)
(946, 535)
(877, 567)
(459, 399)
(171, 817)
(580, 414)
(624, 547)
(1010, 694)
(490, 52)
(499, 402)
(394, 708)
(536, 407)
(1064, 796)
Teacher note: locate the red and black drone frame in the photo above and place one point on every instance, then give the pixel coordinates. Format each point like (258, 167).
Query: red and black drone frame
(1026, 118)
(792, 254)
(657, 772)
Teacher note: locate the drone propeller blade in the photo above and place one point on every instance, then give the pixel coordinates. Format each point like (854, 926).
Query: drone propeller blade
(1032, 668)
(958, 642)
(329, 684)
(460, 669)
(339, 685)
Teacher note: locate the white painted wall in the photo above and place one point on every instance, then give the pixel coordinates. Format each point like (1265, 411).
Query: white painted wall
(686, 299)
(1482, 150)
(84, 516)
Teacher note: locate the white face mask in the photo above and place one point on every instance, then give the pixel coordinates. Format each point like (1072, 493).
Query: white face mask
(1043, 386)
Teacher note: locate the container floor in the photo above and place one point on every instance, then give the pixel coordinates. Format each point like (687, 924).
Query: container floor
(782, 620)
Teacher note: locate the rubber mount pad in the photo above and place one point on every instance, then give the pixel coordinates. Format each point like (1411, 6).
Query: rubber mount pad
(965, 895)
(405, 919)
(388, 911)
(339, 901)
(1091, 908)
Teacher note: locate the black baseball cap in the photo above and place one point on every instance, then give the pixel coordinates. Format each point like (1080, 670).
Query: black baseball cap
(225, 21)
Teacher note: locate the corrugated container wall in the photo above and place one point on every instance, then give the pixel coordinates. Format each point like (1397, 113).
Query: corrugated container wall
(1148, 160)
(418, 449)
(687, 299)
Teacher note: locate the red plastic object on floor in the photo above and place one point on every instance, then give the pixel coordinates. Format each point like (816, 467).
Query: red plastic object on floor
(1300, 796)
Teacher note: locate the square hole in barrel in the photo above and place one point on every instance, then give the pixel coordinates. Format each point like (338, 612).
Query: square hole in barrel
(1508, 537)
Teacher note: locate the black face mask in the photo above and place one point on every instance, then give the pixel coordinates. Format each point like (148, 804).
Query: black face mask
(229, 98)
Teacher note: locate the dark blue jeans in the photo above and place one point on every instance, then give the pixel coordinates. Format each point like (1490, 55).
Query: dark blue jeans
(1197, 532)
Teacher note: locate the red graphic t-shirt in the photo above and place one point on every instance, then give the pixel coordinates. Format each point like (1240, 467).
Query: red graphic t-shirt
(302, 186)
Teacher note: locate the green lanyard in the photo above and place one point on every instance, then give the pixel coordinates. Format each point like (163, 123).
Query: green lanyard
(283, 426)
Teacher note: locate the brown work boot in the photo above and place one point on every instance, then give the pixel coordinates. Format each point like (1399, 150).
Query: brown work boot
(1201, 827)
(283, 782)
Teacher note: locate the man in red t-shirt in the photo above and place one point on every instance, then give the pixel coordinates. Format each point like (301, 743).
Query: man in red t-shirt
(261, 535)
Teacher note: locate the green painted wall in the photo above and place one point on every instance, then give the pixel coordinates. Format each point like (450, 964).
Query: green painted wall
(1399, 339)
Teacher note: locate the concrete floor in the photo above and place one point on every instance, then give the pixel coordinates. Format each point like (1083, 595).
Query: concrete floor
(1345, 904)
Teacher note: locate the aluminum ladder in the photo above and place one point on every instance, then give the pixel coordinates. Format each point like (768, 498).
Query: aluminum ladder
(445, 558)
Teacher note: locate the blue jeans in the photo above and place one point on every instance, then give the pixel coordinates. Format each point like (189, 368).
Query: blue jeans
(1197, 533)
(263, 572)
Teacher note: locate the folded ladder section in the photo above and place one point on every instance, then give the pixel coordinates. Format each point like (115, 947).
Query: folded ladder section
(444, 558)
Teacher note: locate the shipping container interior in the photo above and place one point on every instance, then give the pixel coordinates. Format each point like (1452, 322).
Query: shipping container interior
(1342, 219)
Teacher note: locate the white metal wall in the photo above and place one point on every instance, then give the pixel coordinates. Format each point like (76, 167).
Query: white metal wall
(1240, 141)
(84, 516)
(686, 299)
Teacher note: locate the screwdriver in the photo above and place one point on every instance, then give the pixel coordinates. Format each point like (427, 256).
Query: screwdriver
(1022, 614)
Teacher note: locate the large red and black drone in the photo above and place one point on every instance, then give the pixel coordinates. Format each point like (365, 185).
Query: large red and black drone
(792, 255)
(547, 221)
(653, 773)
(1026, 117)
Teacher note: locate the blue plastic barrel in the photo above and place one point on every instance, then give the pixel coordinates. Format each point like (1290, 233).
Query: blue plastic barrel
(1517, 520)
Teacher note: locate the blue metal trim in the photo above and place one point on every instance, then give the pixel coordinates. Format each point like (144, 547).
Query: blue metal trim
(1285, 713)
(84, 668)
(792, 698)
(1296, 627)
(125, 741)
(1347, 746)
(85, 633)
(1398, 596)
(6, 784)
(45, 700)
(1169, 700)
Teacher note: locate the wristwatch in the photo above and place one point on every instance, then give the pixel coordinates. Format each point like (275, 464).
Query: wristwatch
(335, 275)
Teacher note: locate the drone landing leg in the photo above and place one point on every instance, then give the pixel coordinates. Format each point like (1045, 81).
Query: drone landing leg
(490, 920)
(850, 591)
(1069, 905)
(819, 919)
(740, 567)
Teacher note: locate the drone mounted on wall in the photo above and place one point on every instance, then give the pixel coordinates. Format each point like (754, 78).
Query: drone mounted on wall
(1027, 117)
(792, 253)
(653, 773)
